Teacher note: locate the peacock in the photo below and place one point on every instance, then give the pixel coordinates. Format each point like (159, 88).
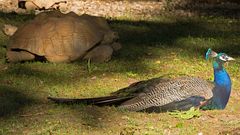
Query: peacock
(162, 94)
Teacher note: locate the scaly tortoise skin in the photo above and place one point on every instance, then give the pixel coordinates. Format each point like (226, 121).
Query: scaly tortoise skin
(61, 37)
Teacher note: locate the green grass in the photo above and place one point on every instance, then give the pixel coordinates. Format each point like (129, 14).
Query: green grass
(168, 46)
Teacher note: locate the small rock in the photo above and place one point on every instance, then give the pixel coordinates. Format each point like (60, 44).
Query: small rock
(94, 78)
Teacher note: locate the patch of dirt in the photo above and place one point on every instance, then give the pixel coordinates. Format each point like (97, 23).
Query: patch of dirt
(234, 131)
(141, 8)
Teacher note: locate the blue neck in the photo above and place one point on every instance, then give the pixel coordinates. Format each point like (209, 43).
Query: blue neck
(222, 90)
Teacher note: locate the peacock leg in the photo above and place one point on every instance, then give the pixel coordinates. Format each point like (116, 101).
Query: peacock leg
(203, 103)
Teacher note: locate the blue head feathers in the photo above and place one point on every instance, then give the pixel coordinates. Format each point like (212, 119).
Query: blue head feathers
(210, 53)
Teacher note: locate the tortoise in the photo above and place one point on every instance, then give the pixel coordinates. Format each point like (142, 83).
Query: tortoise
(58, 37)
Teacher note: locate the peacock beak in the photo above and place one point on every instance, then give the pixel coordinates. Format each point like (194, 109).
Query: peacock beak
(230, 58)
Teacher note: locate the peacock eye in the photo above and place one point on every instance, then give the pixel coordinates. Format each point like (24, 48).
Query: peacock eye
(223, 57)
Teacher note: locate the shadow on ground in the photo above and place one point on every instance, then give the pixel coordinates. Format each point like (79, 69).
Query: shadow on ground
(217, 8)
(13, 100)
(194, 36)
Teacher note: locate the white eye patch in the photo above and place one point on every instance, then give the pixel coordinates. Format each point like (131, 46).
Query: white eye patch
(223, 58)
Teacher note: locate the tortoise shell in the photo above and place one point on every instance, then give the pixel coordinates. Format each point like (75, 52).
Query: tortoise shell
(58, 37)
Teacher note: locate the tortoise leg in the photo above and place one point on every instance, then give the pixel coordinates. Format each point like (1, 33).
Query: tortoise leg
(16, 56)
(116, 46)
(100, 53)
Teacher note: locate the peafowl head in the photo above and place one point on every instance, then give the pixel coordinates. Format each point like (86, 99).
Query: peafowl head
(219, 57)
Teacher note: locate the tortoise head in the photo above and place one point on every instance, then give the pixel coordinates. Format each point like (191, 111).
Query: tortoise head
(9, 29)
(110, 37)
